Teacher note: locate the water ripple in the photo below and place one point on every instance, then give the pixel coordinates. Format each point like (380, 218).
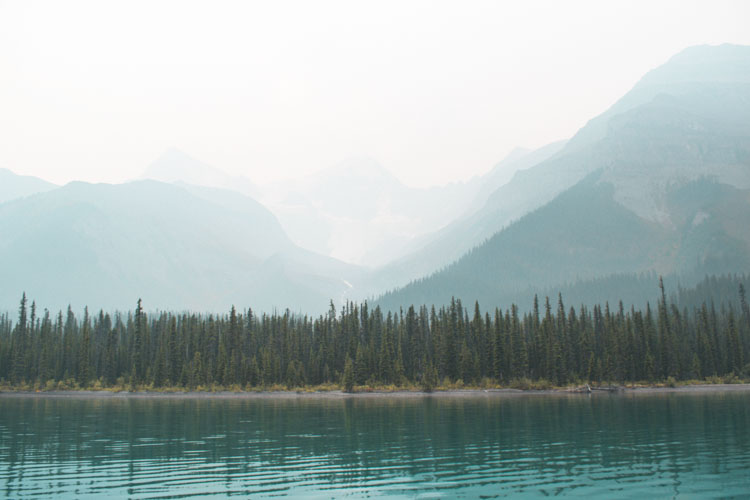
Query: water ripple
(609, 446)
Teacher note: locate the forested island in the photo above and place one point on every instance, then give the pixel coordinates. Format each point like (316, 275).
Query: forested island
(358, 348)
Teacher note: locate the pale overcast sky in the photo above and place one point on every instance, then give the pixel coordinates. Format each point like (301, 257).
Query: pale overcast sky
(435, 91)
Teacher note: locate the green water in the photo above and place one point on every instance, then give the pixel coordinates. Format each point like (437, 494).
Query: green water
(601, 446)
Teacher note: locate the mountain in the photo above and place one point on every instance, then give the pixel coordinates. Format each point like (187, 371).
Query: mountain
(660, 183)
(504, 172)
(690, 70)
(175, 247)
(508, 191)
(356, 210)
(698, 74)
(14, 186)
(175, 166)
(359, 212)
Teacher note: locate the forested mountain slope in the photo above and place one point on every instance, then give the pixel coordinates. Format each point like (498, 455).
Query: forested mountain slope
(665, 190)
(683, 120)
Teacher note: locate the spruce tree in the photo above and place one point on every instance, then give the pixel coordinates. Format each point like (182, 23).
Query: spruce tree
(347, 379)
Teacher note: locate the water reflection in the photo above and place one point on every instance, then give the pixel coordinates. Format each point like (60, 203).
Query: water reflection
(627, 446)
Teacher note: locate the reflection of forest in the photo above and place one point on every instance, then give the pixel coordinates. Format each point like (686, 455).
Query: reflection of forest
(423, 434)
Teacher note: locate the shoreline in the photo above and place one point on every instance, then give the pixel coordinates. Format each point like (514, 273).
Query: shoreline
(337, 394)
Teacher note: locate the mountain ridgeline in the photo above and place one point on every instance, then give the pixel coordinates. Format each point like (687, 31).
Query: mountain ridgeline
(185, 247)
(14, 186)
(659, 184)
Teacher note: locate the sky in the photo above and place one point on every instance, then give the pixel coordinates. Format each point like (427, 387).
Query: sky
(435, 91)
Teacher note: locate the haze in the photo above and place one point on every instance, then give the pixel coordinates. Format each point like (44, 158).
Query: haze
(434, 91)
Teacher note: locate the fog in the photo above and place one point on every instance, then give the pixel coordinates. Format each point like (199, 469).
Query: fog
(434, 91)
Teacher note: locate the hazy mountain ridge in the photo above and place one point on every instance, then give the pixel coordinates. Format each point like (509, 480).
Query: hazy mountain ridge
(107, 245)
(672, 140)
(672, 174)
(659, 183)
(469, 228)
(706, 84)
(14, 186)
(356, 210)
(692, 68)
(360, 212)
(175, 166)
(540, 253)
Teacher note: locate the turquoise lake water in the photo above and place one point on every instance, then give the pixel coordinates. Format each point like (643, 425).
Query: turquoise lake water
(600, 446)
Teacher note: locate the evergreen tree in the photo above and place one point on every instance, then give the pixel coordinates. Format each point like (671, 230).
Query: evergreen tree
(429, 377)
(84, 351)
(348, 378)
(20, 344)
(139, 347)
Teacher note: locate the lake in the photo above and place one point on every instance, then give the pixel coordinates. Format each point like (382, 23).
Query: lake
(599, 446)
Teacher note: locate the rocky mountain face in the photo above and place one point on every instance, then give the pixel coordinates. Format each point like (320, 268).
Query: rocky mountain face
(708, 85)
(659, 183)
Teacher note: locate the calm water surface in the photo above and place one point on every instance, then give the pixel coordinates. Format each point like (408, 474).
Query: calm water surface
(602, 446)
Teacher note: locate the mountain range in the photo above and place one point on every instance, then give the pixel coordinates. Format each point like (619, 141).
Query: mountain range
(657, 184)
(175, 247)
(13, 186)
(360, 212)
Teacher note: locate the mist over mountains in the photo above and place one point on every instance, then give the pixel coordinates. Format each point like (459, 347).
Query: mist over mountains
(657, 184)
(175, 247)
(14, 186)
(175, 166)
(360, 212)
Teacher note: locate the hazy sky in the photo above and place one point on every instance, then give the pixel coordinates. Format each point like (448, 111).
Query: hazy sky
(436, 91)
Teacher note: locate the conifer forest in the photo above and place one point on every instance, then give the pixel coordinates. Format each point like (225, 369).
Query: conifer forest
(358, 346)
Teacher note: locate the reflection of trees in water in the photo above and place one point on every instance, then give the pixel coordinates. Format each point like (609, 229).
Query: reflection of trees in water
(355, 439)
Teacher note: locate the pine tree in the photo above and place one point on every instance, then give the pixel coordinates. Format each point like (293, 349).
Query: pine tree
(348, 378)
(46, 359)
(520, 354)
(139, 347)
(360, 366)
(429, 377)
(84, 351)
(110, 357)
(734, 347)
(667, 348)
(19, 343)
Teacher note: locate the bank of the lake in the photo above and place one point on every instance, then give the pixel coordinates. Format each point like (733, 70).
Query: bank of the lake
(338, 394)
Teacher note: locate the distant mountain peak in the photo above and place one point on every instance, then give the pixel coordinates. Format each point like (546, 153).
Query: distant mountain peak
(702, 64)
(13, 186)
(175, 165)
(692, 70)
(709, 54)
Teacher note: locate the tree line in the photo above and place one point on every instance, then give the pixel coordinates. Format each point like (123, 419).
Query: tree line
(419, 346)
